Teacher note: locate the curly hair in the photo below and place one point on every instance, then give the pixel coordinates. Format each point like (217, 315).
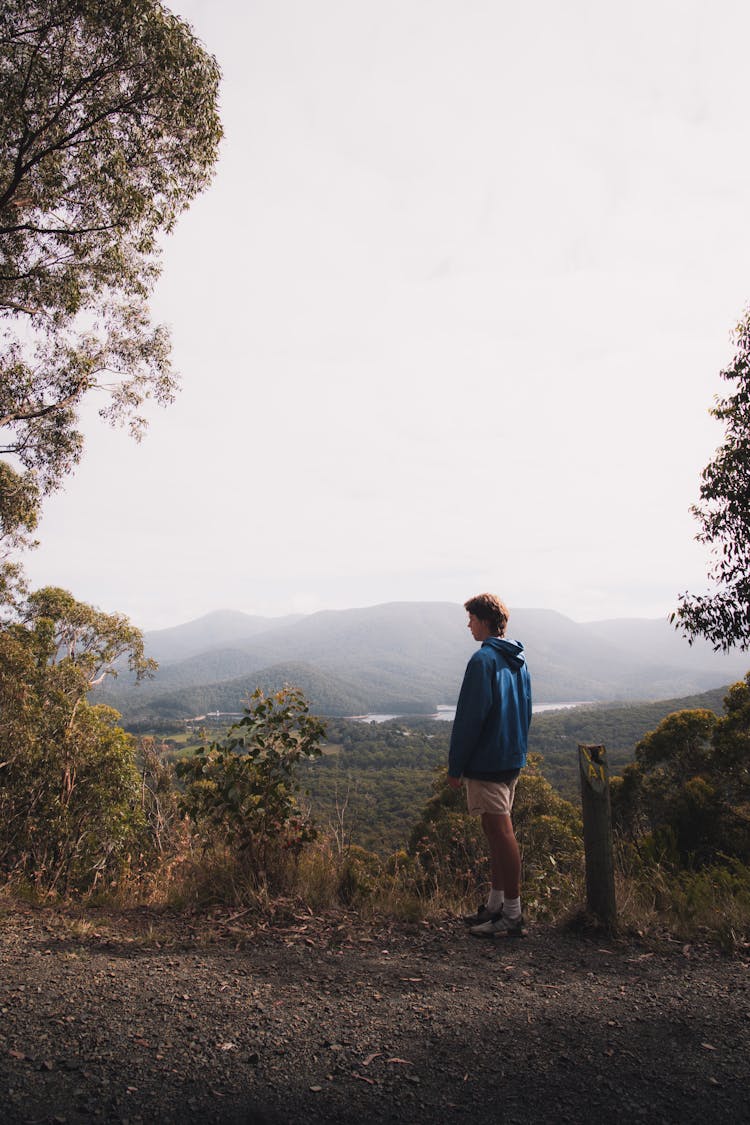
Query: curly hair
(489, 608)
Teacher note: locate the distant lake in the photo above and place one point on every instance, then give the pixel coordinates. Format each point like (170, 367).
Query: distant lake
(448, 713)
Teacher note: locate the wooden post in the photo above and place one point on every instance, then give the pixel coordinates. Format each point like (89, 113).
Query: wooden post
(597, 834)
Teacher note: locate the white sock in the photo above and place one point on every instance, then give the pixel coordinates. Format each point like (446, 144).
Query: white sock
(512, 908)
(495, 901)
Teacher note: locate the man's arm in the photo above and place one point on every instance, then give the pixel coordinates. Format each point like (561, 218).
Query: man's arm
(474, 702)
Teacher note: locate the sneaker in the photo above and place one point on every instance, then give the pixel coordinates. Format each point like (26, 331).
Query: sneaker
(483, 914)
(500, 926)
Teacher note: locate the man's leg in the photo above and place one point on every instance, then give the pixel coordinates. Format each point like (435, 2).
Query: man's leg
(493, 801)
(505, 858)
(505, 867)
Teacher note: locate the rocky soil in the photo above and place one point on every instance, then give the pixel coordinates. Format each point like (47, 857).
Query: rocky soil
(146, 1018)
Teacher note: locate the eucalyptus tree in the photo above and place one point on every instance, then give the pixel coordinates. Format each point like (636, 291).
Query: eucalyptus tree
(684, 799)
(108, 129)
(722, 615)
(71, 807)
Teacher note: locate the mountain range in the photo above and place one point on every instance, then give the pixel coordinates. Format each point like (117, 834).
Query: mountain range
(406, 657)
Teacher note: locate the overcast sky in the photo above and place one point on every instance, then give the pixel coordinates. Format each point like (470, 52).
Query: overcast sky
(450, 318)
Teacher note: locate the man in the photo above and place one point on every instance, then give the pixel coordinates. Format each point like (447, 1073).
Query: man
(487, 753)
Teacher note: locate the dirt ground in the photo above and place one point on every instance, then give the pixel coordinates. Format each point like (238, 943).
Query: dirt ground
(146, 1018)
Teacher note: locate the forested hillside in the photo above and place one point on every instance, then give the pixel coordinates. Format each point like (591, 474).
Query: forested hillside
(331, 695)
(374, 775)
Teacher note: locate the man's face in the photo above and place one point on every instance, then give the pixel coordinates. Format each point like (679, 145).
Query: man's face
(480, 630)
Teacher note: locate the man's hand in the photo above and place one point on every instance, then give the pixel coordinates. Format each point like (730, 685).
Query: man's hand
(455, 782)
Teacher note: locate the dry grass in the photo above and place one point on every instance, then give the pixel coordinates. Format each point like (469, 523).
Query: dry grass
(709, 905)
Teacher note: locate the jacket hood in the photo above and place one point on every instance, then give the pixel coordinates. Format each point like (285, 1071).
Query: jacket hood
(511, 651)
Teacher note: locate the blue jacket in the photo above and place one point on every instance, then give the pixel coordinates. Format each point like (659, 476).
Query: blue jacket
(490, 731)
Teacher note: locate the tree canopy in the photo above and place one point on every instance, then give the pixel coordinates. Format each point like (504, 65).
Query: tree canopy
(723, 615)
(109, 130)
(685, 798)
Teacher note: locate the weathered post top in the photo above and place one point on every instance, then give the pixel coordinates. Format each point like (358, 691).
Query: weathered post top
(592, 761)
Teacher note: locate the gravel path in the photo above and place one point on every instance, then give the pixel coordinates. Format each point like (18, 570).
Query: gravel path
(141, 1018)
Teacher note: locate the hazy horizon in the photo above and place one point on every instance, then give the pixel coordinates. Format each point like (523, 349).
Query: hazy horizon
(226, 609)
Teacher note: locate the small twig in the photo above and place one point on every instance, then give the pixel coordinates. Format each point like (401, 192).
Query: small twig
(234, 917)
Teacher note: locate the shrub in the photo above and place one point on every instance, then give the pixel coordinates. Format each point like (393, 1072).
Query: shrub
(240, 793)
(70, 814)
(684, 799)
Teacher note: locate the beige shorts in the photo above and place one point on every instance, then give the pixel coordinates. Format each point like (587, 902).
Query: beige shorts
(490, 796)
